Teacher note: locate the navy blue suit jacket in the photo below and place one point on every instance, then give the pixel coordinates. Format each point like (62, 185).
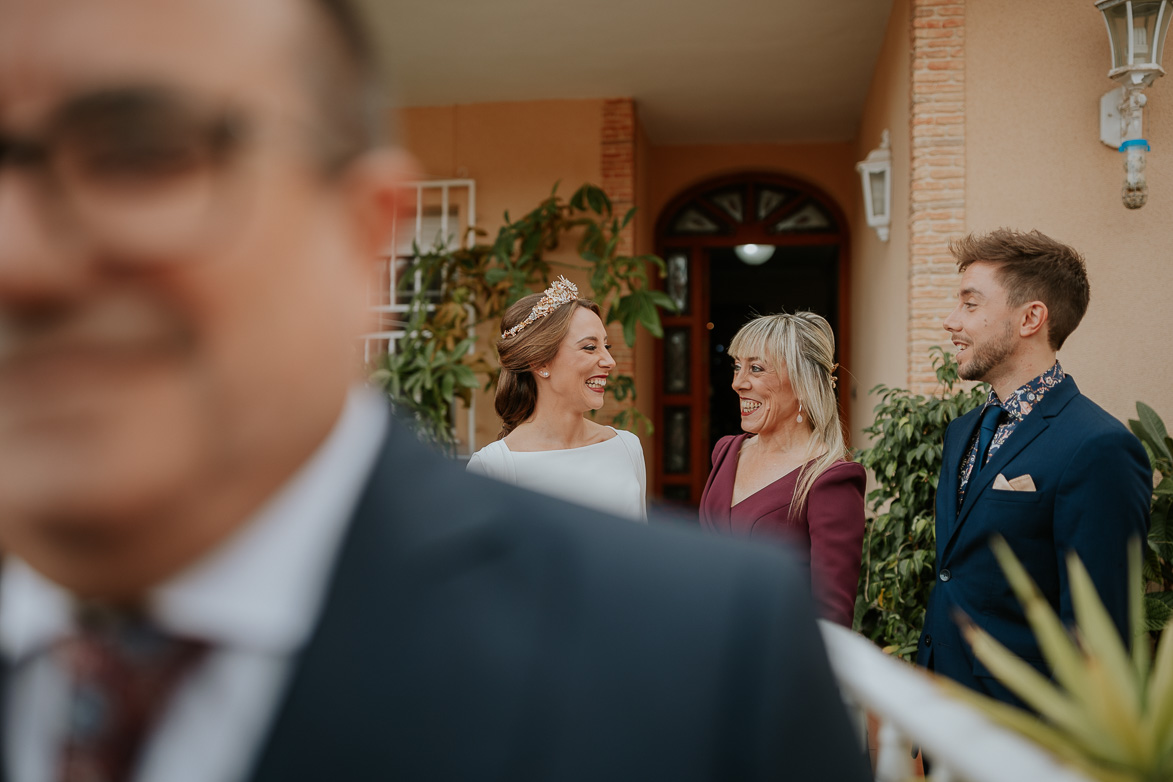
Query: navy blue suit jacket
(475, 631)
(1093, 488)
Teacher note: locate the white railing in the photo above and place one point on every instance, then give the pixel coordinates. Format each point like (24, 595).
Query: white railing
(444, 211)
(962, 743)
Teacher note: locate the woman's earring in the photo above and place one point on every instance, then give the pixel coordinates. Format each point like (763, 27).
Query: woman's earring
(545, 373)
(799, 419)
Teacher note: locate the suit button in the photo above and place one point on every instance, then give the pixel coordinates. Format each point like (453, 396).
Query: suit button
(945, 575)
(928, 640)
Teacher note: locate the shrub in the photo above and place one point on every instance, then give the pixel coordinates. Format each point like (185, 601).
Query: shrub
(1158, 554)
(900, 542)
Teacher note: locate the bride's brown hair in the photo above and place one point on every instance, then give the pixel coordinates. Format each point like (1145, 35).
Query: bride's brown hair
(533, 346)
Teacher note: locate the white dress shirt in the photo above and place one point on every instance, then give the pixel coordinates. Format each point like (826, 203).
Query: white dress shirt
(255, 599)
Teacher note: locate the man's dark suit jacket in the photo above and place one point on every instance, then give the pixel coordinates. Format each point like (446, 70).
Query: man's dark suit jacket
(1093, 488)
(473, 631)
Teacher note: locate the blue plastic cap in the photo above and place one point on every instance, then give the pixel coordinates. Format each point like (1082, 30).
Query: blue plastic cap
(1136, 142)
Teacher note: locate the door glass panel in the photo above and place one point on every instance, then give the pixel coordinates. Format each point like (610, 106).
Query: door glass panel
(678, 280)
(770, 199)
(731, 202)
(809, 218)
(694, 221)
(676, 362)
(676, 437)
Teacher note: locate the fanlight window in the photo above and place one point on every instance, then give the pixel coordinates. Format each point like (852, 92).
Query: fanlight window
(775, 209)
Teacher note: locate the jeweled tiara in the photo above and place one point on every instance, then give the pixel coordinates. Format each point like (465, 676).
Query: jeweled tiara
(561, 291)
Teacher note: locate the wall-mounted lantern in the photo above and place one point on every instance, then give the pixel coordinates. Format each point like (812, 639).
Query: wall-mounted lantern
(1136, 31)
(876, 173)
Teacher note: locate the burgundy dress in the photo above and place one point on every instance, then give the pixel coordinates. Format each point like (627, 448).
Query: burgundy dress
(828, 533)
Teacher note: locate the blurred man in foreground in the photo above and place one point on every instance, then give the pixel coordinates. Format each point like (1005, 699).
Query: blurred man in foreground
(222, 561)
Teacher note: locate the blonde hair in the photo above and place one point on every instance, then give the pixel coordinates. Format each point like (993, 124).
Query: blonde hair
(533, 346)
(804, 344)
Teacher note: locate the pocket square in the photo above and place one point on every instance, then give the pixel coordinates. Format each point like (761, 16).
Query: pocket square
(1021, 483)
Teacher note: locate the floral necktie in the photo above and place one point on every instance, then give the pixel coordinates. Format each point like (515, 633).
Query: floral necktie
(123, 670)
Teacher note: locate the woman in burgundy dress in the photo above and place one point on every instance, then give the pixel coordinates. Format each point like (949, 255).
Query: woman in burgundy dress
(789, 476)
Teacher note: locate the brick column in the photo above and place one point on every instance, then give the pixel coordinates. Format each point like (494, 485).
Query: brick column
(618, 171)
(937, 213)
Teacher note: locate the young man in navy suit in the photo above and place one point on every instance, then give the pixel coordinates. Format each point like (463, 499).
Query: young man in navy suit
(1039, 464)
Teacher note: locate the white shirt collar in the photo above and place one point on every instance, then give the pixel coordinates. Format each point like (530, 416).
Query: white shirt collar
(260, 590)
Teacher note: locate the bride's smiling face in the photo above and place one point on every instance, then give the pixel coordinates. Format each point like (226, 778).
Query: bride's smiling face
(578, 374)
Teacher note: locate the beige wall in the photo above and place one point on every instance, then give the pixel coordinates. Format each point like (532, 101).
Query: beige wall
(879, 295)
(515, 152)
(1034, 75)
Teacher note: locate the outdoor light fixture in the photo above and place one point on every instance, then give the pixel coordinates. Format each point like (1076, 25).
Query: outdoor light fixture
(754, 254)
(876, 172)
(1136, 31)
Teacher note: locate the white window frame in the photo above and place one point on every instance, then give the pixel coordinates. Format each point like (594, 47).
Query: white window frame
(393, 314)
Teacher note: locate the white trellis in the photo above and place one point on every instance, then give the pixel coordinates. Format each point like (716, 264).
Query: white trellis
(444, 210)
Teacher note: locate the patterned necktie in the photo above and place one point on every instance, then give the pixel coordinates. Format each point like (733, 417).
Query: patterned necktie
(123, 671)
(989, 425)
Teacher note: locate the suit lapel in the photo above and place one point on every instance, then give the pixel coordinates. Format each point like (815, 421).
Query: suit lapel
(951, 457)
(1024, 434)
(386, 662)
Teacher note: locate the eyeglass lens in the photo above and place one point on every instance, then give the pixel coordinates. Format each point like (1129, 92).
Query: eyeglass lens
(137, 169)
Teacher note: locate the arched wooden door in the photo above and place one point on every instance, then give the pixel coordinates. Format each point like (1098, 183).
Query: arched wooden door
(717, 291)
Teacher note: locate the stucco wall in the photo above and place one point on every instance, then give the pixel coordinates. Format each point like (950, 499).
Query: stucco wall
(515, 152)
(879, 296)
(1035, 73)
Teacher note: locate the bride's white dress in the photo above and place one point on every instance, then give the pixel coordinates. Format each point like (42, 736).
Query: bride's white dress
(608, 476)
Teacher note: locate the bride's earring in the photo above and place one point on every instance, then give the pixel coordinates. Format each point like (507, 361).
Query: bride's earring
(545, 373)
(799, 419)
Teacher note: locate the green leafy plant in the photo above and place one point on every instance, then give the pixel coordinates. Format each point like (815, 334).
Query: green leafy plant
(1106, 711)
(900, 543)
(438, 361)
(1158, 554)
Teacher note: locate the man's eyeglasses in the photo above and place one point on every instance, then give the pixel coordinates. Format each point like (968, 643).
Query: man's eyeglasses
(135, 171)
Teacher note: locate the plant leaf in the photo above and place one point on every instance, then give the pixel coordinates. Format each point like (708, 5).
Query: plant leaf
(1040, 694)
(1100, 637)
(1031, 727)
(1054, 642)
(1155, 428)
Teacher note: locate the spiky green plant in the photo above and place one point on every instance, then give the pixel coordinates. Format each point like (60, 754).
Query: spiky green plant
(1106, 712)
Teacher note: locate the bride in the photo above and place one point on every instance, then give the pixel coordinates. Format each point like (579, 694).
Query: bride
(555, 361)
